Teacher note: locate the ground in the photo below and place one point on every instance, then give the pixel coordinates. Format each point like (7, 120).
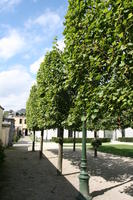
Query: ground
(24, 177)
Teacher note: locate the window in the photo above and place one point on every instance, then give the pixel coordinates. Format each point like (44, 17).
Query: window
(25, 121)
(20, 121)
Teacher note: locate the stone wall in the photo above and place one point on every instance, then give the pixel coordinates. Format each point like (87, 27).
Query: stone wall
(5, 133)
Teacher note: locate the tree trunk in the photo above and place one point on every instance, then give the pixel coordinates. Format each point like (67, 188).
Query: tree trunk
(123, 132)
(74, 140)
(95, 148)
(95, 134)
(41, 144)
(70, 132)
(60, 151)
(95, 152)
(33, 144)
(104, 134)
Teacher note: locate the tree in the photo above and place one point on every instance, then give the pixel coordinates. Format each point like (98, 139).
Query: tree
(98, 52)
(100, 57)
(53, 95)
(32, 112)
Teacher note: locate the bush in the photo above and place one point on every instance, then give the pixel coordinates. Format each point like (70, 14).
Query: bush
(125, 139)
(96, 143)
(104, 140)
(16, 138)
(2, 155)
(79, 140)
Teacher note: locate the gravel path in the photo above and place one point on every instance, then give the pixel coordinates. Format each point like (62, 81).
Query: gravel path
(25, 177)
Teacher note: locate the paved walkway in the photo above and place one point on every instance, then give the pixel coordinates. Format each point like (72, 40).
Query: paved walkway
(25, 177)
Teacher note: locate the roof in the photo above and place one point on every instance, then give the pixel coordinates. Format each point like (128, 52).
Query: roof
(1, 107)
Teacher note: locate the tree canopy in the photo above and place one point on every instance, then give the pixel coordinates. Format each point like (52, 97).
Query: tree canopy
(32, 109)
(99, 41)
(54, 97)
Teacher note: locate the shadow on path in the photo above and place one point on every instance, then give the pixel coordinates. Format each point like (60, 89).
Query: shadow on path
(107, 166)
(101, 192)
(24, 177)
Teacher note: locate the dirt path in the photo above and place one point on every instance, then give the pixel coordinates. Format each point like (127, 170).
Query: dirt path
(25, 177)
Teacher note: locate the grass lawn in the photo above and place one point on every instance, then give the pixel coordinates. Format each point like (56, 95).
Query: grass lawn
(117, 149)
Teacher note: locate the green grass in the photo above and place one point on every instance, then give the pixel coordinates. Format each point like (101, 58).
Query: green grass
(78, 145)
(119, 149)
(115, 149)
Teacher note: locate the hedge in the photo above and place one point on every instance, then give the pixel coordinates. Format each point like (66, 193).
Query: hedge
(79, 140)
(125, 139)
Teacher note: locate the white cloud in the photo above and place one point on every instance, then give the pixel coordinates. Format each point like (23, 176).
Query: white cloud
(35, 66)
(15, 85)
(8, 4)
(11, 45)
(48, 21)
(61, 44)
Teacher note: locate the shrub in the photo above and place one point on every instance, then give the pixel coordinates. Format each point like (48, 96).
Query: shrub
(104, 140)
(79, 140)
(96, 143)
(125, 139)
(2, 155)
(15, 138)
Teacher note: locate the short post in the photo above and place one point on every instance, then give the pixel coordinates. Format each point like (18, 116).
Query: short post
(84, 177)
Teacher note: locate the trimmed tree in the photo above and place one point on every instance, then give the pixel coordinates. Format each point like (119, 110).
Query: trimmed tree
(32, 112)
(54, 96)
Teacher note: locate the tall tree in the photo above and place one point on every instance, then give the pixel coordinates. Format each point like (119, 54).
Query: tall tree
(98, 52)
(32, 112)
(54, 96)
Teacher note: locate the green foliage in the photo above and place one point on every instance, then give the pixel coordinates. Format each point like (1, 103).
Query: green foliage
(54, 98)
(79, 140)
(93, 77)
(96, 143)
(125, 139)
(32, 110)
(98, 53)
(16, 138)
(121, 150)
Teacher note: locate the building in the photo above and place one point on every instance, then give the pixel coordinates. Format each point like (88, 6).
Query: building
(20, 124)
(112, 134)
(1, 120)
(11, 121)
(6, 130)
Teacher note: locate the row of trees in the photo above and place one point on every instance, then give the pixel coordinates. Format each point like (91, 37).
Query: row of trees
(92, 79)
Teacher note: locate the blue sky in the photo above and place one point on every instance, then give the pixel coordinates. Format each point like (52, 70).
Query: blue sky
(27, 30)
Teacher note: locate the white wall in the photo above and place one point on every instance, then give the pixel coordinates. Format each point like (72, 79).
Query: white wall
(113, 134)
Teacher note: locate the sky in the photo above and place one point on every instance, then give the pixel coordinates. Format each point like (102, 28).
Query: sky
(27, 30)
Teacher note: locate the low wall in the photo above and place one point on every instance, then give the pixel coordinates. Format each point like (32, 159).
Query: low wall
(5, 134)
